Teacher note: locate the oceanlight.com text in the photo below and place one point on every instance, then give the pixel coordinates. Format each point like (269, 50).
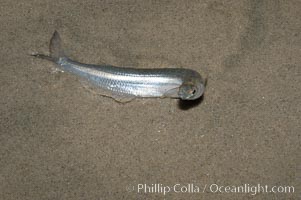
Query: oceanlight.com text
(251, 189)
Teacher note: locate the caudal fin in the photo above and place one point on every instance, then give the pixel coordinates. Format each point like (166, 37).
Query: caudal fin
(55, 48)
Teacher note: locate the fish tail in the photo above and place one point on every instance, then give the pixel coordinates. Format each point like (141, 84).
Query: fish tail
(55, 48)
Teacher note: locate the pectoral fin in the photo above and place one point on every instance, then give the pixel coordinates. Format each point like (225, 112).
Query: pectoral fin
(172, 93)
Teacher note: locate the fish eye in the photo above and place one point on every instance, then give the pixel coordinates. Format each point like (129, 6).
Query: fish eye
(193, 91)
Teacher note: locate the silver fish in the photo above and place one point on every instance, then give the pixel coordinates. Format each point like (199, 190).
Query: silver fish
(124, 84)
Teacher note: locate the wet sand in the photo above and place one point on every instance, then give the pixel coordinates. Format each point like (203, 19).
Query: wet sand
(61, 141)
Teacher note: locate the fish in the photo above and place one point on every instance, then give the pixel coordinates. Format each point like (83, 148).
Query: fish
(127, 83)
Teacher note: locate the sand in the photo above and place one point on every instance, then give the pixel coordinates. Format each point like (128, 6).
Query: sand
(61, 141)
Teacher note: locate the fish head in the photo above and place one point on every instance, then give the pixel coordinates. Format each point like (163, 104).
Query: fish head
(191, 90)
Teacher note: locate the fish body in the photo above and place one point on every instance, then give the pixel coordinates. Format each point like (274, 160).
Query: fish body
(129, 83)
